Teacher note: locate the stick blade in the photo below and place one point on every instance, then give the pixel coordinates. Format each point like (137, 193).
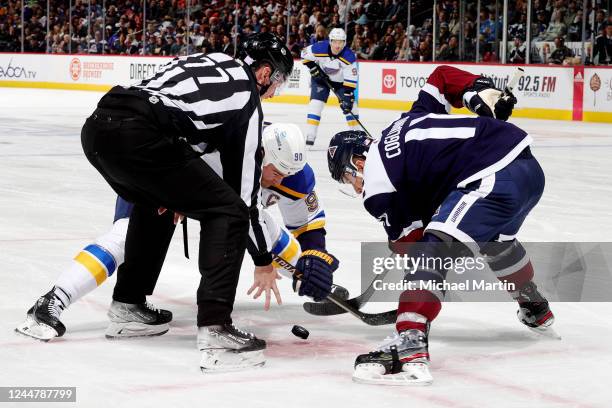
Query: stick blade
(380, 319)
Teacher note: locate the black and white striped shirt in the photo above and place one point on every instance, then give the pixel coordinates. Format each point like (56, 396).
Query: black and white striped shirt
(215, 104)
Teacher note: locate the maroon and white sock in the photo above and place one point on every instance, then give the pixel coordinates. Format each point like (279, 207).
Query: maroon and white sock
(416, 308)
(512, 266)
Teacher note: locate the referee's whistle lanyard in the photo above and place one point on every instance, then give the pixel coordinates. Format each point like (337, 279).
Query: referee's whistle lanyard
(185, 240)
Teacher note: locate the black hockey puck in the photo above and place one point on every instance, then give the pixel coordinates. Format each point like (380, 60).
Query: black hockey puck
(300, 332)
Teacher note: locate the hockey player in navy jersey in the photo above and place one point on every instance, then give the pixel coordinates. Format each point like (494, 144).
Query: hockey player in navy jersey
(331, 59)
(441, 179)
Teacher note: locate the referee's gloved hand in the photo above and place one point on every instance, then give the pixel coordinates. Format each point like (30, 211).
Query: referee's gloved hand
(484, 99)
(346, 104)
(317, 268)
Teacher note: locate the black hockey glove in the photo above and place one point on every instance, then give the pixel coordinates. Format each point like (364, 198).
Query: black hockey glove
(317, 267)
(504, 106)
(346, 104)
(484, 99)
(315, 71)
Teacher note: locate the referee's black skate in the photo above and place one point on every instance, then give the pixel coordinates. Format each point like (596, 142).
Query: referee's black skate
(402, 359)
(227, 348)
(42, 320)
(534, 311)
(136, 320)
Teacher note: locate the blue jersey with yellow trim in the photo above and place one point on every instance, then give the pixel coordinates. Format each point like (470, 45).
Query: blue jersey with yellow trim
(341, 68)
(298, 202)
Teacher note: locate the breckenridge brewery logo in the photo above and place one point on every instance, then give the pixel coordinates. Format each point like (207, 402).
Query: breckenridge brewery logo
(75, 69)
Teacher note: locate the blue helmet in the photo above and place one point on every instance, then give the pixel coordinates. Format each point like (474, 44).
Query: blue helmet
(342, 147)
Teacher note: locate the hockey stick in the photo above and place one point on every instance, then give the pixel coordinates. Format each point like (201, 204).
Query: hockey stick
(325, 79)
(513, 81)
(375, 319)
(330, 309)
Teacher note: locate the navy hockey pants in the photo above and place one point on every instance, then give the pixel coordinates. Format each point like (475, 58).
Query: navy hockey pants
(495, 207)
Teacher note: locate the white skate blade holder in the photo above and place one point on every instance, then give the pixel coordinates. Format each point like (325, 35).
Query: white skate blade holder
(412, 374)
(546, 331)
(223, 360)
(134, 329)
(39, 331)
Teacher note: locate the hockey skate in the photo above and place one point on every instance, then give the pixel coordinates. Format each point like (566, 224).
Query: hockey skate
(42, 320)
(227, 348)
(136, 320)
(534, 311)
(402, 359)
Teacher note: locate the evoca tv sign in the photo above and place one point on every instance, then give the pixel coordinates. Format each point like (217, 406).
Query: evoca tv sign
(12, 70)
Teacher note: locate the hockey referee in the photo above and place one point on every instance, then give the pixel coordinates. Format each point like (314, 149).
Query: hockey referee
(146, 141)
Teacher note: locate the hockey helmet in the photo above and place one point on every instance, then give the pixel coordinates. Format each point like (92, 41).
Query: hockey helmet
(267, 48)
(337, 34)
(284, 147)
(342, 147)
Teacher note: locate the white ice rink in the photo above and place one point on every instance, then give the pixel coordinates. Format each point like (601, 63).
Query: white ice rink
(52, 203)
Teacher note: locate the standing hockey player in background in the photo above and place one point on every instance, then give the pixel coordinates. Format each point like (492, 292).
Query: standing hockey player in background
(287, 180)
(331, 59)
(463, 179)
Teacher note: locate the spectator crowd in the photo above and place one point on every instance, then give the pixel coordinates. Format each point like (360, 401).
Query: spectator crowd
(377, 29)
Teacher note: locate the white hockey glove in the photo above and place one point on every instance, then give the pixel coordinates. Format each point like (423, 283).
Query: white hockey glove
(483, 99)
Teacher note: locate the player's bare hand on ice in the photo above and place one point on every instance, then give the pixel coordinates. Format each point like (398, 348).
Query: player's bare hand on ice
(177, 217)
(317, 267)
(265, 282)
(483, 99)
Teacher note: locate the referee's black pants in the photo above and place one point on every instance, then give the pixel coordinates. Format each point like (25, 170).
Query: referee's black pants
(148, 167)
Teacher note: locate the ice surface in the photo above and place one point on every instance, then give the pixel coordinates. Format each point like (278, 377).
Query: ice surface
(53, 203)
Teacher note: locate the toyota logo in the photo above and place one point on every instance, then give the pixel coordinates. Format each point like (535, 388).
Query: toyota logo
(389, 81)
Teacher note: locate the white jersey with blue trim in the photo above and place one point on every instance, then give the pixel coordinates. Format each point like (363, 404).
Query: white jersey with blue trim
(301, 211)
(341, 68)
(296, 198)
(298, 202)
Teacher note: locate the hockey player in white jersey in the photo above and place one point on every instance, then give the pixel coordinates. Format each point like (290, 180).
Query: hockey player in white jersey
(331, 59)
(287, 180)
(443, 181)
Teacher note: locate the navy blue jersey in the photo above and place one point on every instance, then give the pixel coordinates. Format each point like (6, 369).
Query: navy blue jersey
(427, 153)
